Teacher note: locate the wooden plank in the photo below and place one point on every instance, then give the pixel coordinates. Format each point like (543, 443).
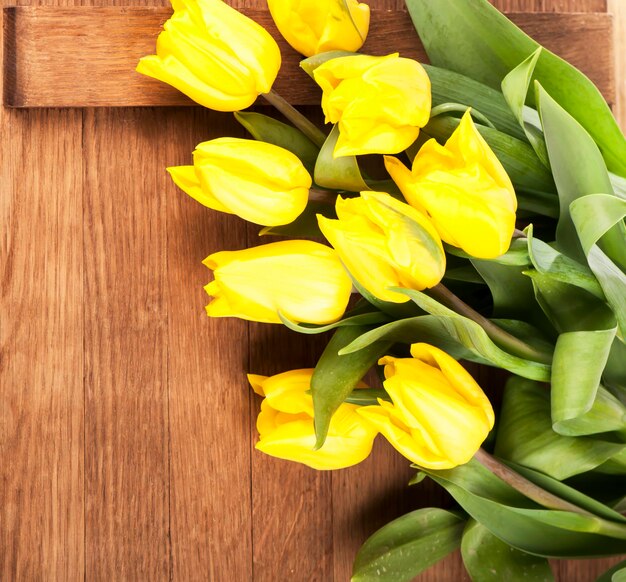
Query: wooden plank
(126, 430)
(41, 346)
(209, 405)
(292, 505)
(618, 9)
(550, 5)
(85, 57)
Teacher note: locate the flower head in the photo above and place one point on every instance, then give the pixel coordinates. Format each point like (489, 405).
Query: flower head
(214, 54)
(439, 416)
(258, 181)
(303, 280)
(379, 102)
(464, 189)
(286, 428)
(317, 26)
(385, 243)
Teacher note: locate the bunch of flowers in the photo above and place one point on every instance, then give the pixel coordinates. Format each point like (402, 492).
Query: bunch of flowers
(495, 235)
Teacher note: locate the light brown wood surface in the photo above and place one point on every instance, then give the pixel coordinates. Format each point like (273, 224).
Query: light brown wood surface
(86, 57)
(126, 423)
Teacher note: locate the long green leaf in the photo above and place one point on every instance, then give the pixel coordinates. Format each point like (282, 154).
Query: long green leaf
(471, 334)
(515, 89)
(615, 574)
(489, 559)
(525, 435)
(448, 86)
(579, 171)
(361, 319)
(548, 261)
(473, 38)
(336, 376)
(525, 525)
(595, 217)
(408, 545)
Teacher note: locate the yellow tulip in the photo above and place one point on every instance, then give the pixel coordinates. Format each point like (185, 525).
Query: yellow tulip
(439, 416)
(379, 102)
(303, 280)
(257, 181)
(317, 26)
(464, 189)
(286, 429)
(214, 54)
(385, 243)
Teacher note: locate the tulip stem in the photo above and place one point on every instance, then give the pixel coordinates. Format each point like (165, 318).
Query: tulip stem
(524, 486)
(503, 338)
(308, 128)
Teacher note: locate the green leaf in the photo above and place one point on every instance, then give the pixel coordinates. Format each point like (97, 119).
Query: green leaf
(489, 559)
(338, 173)
(336, 376)
(270, 130)
(527, 173)
(515, 89)
(568, 493)
(595, 217)
(560, 267)
(616, 574)
(472, 334)
(525, 525)
(525, 435)
(403, 548)
(578, 170)
(577, 366)
(453, 333)
(448, 86)
(473, 38)
(370, 318)
(367, 396)
(305, 225)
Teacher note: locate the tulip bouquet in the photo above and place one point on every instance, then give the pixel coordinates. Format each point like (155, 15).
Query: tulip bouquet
(486, 225)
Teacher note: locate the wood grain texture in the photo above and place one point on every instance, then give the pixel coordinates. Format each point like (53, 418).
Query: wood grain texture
(209, 406)
(618, 9)
(85, 57)
(126, 429)
(551, 5)
(101, 292)
(292, 505)
(41, 346)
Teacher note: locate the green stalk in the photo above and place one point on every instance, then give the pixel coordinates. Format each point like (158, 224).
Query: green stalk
(308, 128)
(503, 338)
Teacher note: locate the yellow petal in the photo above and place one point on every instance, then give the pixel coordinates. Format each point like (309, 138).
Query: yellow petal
(186, 179)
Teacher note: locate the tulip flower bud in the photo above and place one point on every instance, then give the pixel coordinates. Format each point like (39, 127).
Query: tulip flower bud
(214, 54)
(464, 189)
(385, 243)
(379, 102)
(258, 181)
(286, 429)
(439, 416)
(303, 280)
(317, 26)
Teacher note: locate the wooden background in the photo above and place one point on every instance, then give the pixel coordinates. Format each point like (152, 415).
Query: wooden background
(126, 423)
